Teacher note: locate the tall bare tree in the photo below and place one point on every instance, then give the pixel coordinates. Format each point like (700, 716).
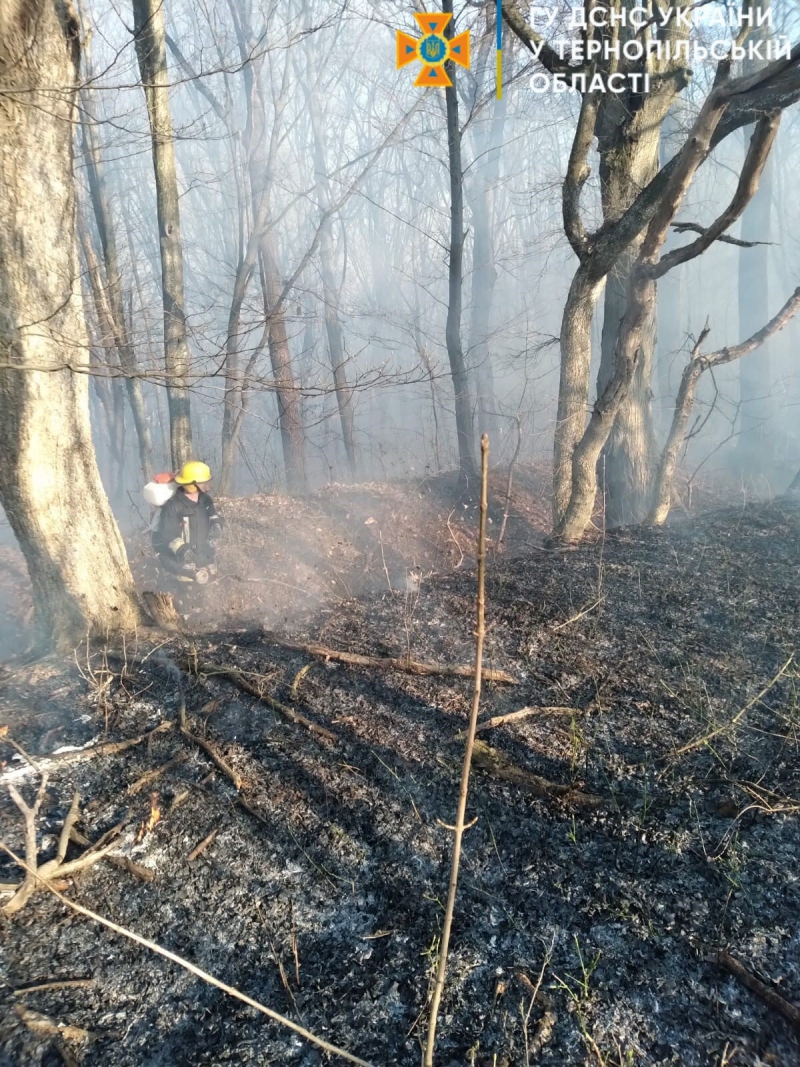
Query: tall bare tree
(49, 482)
(628, 147)
(330, 289)
(260, 151)
(757, 406)
(467, 463)
(487, 138)
(698, 364)
(650, 266)
(120, 336)
(626, 126)
(151, 51)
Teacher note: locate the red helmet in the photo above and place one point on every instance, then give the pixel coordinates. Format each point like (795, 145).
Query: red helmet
(164, 479)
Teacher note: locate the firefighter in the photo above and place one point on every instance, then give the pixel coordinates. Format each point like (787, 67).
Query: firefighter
(187, 527)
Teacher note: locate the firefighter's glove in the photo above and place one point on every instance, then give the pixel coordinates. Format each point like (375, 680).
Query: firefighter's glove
(215, 531)
(186, 556)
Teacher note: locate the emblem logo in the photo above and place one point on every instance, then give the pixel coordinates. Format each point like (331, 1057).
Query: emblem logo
(432, 50)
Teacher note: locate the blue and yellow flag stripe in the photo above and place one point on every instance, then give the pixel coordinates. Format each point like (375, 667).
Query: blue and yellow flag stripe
(499, 72)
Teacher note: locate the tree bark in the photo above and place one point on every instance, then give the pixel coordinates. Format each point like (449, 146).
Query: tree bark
(467, 464)
(49, 482)
(648, 268)
(573, 385)
(112, 396)
(330, 290)
(627, 462)
(673, 324)
(628, 135)
(697, 366)
(488, 140)
(261, 156)
(290, 410)
(152, 55)
(757, 407)
(105, 228)
(755, 375)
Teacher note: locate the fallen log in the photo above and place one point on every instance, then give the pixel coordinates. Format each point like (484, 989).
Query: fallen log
(493, 762)
(237, 677)
(388, 663)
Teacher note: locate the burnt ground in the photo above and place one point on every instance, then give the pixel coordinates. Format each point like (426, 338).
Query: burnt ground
(656, 638)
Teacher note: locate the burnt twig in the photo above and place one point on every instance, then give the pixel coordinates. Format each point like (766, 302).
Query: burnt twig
(499, 766)
(57, 868)
(524, 713)
(46, 987)
(105, 748)
(387, 663)
(790, 1012)
(151, 776)
(237, 677)
(42, 1024)
(198, 850)
(209, 750)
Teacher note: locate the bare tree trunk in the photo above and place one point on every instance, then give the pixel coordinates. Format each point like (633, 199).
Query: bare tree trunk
(673, 323)
(261, 155)
(696, 366)
(573, 386)
(113, 395)
(755, 375)
(628, 140)
(467, 464)
(330, 290)
(49, 482)
(626, 126)
(234, 384)
(627, 461)
(756, 441)
(290, 411)
(488, 145)
(642, 286)
(665, 476)
(108, 242)
(151, 52)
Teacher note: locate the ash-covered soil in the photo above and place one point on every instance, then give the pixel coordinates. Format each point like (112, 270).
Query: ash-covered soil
(325, 900)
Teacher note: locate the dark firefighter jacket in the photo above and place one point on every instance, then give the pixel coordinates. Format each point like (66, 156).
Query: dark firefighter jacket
(185, 531)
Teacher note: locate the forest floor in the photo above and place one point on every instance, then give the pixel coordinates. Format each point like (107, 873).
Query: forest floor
(661, 662)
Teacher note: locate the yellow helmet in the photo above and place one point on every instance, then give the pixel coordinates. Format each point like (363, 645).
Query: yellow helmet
(193, 473)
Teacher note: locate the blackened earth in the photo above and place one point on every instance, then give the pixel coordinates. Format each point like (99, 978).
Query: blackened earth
(657, 639)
